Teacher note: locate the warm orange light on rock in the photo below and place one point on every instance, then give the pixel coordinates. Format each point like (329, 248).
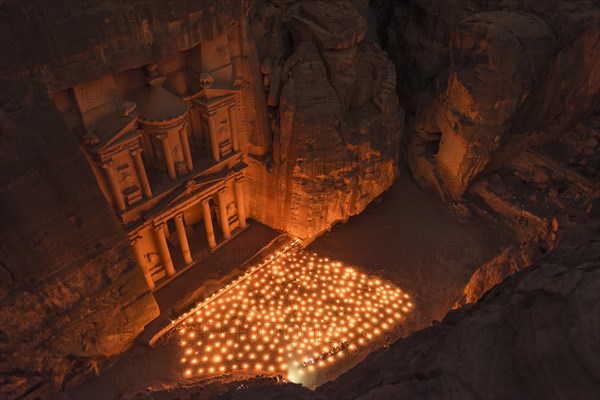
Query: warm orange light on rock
(298, 310)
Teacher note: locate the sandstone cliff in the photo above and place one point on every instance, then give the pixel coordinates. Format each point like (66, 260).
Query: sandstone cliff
(540, 196)
(71, 293)
(334, 114)
(535, 335)
(484, 80)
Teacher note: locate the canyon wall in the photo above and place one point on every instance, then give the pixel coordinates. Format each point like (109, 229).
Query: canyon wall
(493, 92)
(334, 115)
(535, 335)
(540, 197)
(321, 134)
(72, 294)
(483, 80)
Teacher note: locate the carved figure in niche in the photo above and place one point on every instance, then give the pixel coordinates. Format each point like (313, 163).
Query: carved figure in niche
(125, 175)
(222, 52)
(223, 129)
(266, 67)
(151, 258)
(231, 208)
(175, 151)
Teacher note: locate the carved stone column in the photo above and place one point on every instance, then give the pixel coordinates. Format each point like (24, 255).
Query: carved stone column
(223, 214)
(139, 255)
(208, 225)
(234, 127)
(185, 145)
(238, 191)
(141, 171)
(183, 242)
(164, 140)
(163, 248)
(214, 144)
(115, 188)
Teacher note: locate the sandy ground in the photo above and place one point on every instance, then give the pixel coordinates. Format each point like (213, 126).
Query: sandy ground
(408, 237)
(411, 239)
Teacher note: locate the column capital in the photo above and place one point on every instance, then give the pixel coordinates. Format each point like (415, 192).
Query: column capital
(135, 240)
(162, 136)
(159, 226)
(136, 152)
(239, 178)
(221, 191)
(179, 216)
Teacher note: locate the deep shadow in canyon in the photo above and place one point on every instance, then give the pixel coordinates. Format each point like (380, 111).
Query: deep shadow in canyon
(153, 152)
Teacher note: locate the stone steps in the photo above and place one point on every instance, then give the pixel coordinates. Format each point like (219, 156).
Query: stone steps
(157, 272)
(173, 239)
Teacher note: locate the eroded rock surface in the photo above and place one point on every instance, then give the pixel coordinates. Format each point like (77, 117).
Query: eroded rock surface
(484, 80)
(535, 335)
(540, 197)
(334, 114)
(514, 343)
(72, 295)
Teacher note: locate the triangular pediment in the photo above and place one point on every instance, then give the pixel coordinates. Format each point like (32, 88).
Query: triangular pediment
(184, 192)
(111, 131)
(213, 94)
(128, 132)
(217, 92)
(193, 188)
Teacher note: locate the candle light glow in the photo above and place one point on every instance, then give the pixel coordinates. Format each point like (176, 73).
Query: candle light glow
(295, 314)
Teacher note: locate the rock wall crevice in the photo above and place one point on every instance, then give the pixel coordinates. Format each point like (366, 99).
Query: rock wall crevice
(334, 114)
(72, 295)
(485, 80)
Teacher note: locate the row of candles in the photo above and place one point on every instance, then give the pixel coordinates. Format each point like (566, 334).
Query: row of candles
(291, 315)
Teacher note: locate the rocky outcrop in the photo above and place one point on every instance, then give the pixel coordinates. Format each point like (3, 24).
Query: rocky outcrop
(65, 45)
(61, 331)
(496, 58)
(72, 295)
(334, 114)
(533, 336)
(510, 260)
(540, 196)
(482, 82)
(487, 79)
(514, 343)
(288, 392)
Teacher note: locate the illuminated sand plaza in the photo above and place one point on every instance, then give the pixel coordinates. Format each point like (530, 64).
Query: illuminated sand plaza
(293, 316)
